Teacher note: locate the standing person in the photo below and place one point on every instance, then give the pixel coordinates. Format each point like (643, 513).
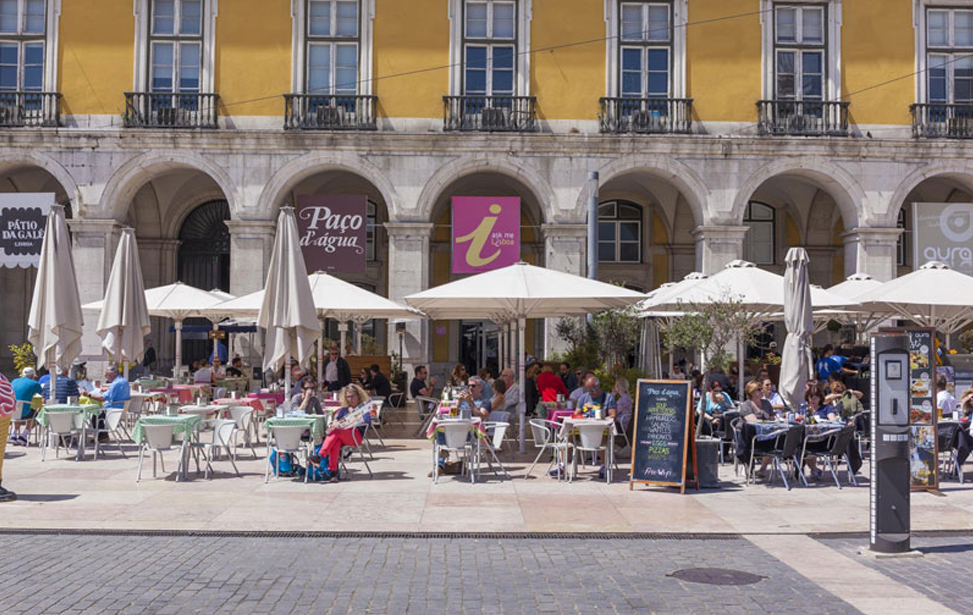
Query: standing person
(24, 389)
(567, 377)
(8, 402)
(550, 385)
(148, 359)
(64, 387)
(380, 383)
(337, 372)
(945, 401)
(830, 363)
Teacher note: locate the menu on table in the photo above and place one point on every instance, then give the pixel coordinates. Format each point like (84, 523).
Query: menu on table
(661, 440)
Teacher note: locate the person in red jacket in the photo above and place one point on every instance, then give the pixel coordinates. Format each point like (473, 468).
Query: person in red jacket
(550, 384)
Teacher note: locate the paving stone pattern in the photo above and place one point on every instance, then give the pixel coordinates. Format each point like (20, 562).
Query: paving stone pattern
(939, 574)
(88, 574)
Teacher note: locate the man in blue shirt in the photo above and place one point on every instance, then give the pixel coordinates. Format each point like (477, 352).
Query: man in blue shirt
(830, 363)
(64, 387)
(596, 396)
(24, 389)
(118, 391)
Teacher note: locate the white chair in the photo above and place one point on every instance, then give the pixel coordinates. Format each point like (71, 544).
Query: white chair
(359, 440)
(113, 427)
(591, 440)
(376, 404)
(158, 439)
(224, 437)
(426, 407)
(19, 419)
(286, 439)
(243, 418)
(493, 443)
(545, 439)
(60, 425)
(456, 438)
(133, 411)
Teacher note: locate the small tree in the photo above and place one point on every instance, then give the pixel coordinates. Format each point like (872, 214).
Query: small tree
(582, 342)
(618, 332)
(23, 356)
(711, 327)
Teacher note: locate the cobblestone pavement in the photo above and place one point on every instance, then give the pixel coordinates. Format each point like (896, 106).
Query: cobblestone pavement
(938, 574)
(88, 574)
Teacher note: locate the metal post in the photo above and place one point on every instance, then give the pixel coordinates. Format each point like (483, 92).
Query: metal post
(321, 356)
(593, 225)
(176, 369)
(521, 404)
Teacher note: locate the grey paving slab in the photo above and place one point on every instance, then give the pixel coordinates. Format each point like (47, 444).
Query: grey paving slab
(158, 575)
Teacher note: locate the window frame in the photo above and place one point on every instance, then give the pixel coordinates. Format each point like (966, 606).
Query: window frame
(144, 39)
(23, 38)
(951, 51)
(799, 47)
(749, 221)
(645, 45)
(490, 43)
(901, 244)
(333, 41)
(677, 83)
(617, 221)
(831, 35)
(523, 11)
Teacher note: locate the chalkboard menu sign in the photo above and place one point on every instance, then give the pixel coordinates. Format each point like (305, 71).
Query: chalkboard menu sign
(923, 417)
(662, 433)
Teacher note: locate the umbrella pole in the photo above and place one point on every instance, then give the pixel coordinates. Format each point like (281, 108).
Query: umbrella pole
(358, 331)
(342, 330)
(321, 355)
(178, 365)
(216, 341)
(521, 407)
(740, 368)
(52, 383)
(125, 369)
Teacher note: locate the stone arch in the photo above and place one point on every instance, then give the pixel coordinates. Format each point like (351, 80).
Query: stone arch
(303, 167)
(834, 180)
(131, 176)
(685, 179)
(43, 161)
(957, 170)
(503, 165)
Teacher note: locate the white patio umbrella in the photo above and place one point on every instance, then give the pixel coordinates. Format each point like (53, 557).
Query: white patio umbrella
(796, 360)
(933, 296)
(176, 301)
(55, 321)
(852, 288)
(124, 320)
(518, 292)
(287, 312)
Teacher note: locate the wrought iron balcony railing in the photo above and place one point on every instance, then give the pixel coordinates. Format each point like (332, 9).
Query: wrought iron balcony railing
(169, 110)
(329, 112)
(942, 120)
(646, 115)
(489, 113)
(811, 118)
(34, 109)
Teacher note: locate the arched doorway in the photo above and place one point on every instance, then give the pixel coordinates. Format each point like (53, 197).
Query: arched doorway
(204, 248)
(945, 188)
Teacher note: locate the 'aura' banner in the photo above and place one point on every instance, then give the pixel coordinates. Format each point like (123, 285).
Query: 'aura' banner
(486, 233)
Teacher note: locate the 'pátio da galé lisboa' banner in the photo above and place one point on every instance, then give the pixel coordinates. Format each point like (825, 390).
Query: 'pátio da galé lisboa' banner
(333, 232)
(23, 218)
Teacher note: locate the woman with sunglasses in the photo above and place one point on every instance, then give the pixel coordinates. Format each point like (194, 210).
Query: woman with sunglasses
(343, 431)
(712, 405)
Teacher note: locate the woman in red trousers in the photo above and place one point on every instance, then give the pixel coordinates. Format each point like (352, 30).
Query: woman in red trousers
(342, 432)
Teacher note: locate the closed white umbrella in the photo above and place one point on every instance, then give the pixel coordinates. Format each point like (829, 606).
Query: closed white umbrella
(518, 292)
(796, 360)
(933, 296)
(287, 312)
(176, 301)
(55, 321)
(124, 320)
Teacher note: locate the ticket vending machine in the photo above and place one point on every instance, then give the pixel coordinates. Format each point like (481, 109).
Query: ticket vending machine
(890, 480)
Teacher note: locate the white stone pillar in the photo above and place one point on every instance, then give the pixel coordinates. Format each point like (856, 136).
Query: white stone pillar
(408, 271)
(565, 249)
(872, 251)
(251, 244)
(718, 245)
(93, 247)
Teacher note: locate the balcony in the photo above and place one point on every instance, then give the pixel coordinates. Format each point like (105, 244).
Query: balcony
(329, 112)
(166, 110)
(805, 118)
(942, 120)
(31, 109)
(646, 115)
(489, 113)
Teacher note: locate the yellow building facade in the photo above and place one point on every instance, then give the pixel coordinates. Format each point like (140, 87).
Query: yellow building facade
(721, 130)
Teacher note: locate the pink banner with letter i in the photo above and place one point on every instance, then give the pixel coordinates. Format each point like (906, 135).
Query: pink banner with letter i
(486, 233)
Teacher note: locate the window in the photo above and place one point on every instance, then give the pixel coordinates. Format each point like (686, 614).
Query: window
(176, 46)
(333, 41)
(901, 245)
(799, 52)
(370, 230)
(23, 37)
(619, 232)
(489, 47)
(759, 246)
(645, 35)
(949, 52)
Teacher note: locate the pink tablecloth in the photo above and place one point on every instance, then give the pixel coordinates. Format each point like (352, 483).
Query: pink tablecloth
(253, 402)
(557, 415)
(180, 393)
(277, 397)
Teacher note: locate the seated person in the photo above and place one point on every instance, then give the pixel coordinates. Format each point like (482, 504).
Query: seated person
(550, 384)
(343, 430)
(814, 406)
(497, 402)
(118, 391)
(487, 378)
(422, 384)
(219, 370)
(379, 381)
(844, 401)
(25, 388)
(582, 388)
(308, 401)
(64, 387)
(623, 407)
(235, 370)
(203, 375)
(365, 378)
(966, 404)
(756, 407)
(471, 401)
(715, 402)
(773, 397)
(945, 401)
(596, 396)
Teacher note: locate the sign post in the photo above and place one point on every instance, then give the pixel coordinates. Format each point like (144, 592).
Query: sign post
(663, 446)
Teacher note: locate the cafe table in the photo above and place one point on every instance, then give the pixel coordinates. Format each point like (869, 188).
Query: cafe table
(315, 423)
(476, 428)
(961, 441)
(184, 425)
(569, 429)
(83, 414)
(177, 393)
(276, 396)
